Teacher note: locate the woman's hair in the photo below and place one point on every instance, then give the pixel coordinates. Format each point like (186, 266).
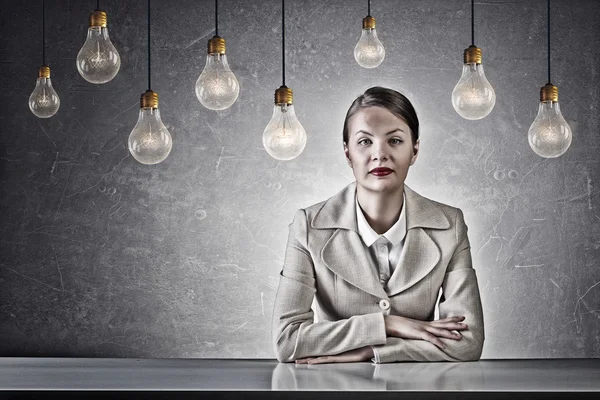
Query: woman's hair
(393, 101)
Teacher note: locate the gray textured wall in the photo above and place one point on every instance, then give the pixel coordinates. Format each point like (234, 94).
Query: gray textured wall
(103, 256)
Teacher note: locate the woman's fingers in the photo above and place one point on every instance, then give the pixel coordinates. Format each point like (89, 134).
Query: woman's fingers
(304, 360)
(452, 319)
(433, 339)
(458, 326)
(323, 360)
(439, 332)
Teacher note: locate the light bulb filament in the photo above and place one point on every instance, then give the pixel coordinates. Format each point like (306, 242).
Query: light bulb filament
(285, 121)
(149, 138)
(44, 99)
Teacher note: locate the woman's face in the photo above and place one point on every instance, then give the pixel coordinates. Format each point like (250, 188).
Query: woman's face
(379, 139)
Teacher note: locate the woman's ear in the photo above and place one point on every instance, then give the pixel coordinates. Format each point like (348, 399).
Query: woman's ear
(415, 152)
(347, 153)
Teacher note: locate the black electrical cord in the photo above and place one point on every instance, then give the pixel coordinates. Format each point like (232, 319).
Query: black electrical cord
(369, 8)
(98, 5)
(283, 41)
(216, 17)
(473, 22)
(149, 68)
(549, 81)
(43, 32)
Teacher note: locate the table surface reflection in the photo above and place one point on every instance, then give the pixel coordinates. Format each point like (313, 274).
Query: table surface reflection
(228, 375)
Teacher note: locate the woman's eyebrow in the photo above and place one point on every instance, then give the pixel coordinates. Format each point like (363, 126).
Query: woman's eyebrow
(389, 133)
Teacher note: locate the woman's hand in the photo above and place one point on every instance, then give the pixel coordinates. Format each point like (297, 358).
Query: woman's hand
(356, 355)
(430, 331)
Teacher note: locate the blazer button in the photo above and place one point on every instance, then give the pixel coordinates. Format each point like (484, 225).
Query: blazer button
(384, 304)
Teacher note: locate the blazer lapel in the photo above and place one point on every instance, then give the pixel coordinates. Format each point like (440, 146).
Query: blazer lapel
(420, 253)
(344, 253)
(347, 256)
(419, 256)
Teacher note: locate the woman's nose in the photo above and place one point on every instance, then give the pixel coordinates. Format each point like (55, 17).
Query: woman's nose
(380, 151)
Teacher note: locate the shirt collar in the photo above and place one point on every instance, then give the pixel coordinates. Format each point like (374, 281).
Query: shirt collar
(395, 234)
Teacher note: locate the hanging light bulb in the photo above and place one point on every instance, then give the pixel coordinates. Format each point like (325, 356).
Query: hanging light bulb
(473, 97)
(44, 101)
(150, 141)
(284, 138)
(98, 61)
(369, 52)
(217, 88)
(549, 136)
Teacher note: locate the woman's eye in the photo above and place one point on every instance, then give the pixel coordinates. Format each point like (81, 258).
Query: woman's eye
(368, 141)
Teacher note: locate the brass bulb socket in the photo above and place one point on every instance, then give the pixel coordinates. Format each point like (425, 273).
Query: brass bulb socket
(284, 95)
(216, 45)
(44, 71)
(149, 99)
(549, 92)
(472, 55)
(368, 22)
(98, 19)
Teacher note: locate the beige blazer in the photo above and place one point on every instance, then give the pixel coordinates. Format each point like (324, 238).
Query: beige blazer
(327, 260)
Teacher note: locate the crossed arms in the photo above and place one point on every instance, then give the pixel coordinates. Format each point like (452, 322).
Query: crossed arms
(297, 337)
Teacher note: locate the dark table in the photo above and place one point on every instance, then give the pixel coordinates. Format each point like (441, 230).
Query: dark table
(221, 378)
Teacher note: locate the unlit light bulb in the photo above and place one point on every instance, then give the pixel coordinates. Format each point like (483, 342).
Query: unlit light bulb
(473, 97)
(284, 137)
(98, 61)
(549, 136)
(369, 52)
(150, 142)
(217, 88)
(44, 102)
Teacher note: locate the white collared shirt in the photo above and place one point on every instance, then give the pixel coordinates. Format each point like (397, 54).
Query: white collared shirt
(385, 249)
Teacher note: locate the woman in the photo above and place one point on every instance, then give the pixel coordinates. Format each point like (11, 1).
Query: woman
(375, 256)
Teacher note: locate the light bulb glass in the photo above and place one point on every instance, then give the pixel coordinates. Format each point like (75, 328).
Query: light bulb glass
(150, 142)
(98, 61)
(369, 52)
(217, 88)
(549, 136)
(44, 101)
(284, 137)
(473, 97)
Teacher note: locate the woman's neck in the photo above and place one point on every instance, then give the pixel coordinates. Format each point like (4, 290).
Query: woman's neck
(381, 210)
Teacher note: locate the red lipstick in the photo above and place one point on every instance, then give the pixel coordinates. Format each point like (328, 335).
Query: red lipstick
(381, 171)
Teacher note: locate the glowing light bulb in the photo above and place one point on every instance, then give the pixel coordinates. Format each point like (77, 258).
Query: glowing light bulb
(549, 136)
(217, 88)
(369, 52)
(98, 61)
(150, 142)
(284, 137)
(44, 101)
(473, 97)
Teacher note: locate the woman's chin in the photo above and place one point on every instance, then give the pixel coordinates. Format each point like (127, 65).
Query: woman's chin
(382, 186)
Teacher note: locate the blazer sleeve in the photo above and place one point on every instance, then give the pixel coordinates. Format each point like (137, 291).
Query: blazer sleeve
(294, 333)
(460, 296)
